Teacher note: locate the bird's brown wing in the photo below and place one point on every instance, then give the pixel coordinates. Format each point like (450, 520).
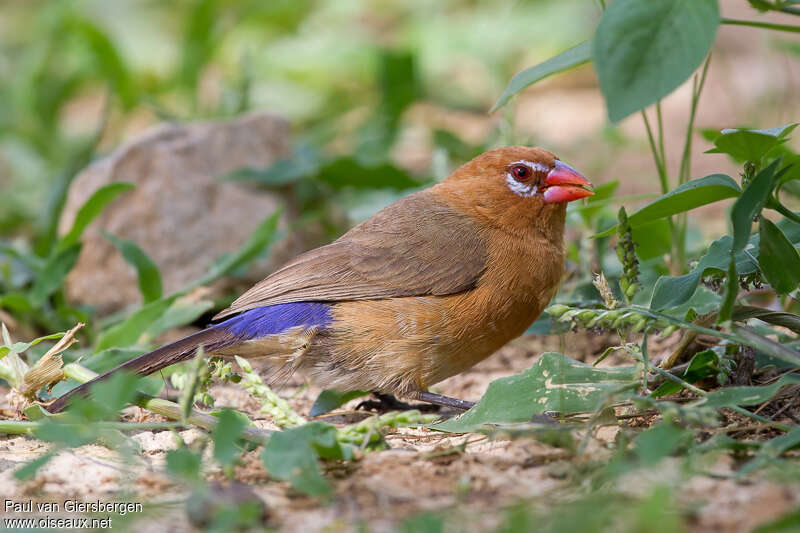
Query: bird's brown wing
(416, 246)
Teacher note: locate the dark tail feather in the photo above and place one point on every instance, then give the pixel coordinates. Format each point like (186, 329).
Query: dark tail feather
(181, 350)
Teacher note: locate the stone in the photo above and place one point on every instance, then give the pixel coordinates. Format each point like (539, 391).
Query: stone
(180, 213)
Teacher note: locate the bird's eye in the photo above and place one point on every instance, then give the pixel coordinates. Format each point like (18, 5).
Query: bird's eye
(521, 172)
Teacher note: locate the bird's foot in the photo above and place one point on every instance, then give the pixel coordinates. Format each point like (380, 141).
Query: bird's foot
(387, 402)
(445, 401)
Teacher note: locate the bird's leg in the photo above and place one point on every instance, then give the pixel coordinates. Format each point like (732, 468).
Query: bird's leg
(387, 402)
(446, 401)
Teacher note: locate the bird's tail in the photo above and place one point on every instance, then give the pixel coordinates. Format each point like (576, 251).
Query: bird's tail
(181, 350)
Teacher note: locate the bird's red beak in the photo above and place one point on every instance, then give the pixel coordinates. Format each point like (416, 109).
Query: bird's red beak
(565, 184)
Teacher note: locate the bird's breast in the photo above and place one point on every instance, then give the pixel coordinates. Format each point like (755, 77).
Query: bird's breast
(404, 344)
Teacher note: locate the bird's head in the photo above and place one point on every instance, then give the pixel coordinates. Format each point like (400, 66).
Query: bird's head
(516, 187)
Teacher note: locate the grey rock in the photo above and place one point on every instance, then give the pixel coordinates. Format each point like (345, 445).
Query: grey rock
(180, 213)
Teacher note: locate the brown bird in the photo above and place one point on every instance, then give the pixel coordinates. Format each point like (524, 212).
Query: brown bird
(423, 290)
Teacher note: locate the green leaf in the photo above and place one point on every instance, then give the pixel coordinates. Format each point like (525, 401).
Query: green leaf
(780, 262)
(652, 239)
(644, 49)
(226, 434)
(750, 204)
(426, 522)
(690, 195)
(750, 145)
(571, 58)
(91, 209)
(303, 163)
(46, 238)
(20, 347)
(659, 441)
(184, 464)
(146, 270)
(330, 399)
(114, 393)
(69, 435)
(671, 291)
(744, 396)
(200, 39)
(554, 383)
(183, 311)
(399, 84)
(731, 292)
(702, 365)
(778, 318)
(258, 241)
(594, 204)
(129, 330)
(292, 456)
(31, 467)
(346, 172)
(53, 274)
(108, 61)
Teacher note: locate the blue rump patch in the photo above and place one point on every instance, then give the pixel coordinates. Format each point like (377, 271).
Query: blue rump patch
(274, 319)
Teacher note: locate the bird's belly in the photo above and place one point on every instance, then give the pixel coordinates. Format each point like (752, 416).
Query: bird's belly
(402, 345)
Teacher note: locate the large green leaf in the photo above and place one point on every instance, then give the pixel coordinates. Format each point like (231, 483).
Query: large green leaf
(644, 49)
(652, 239)
(750, 204)
(554, 383)
(692, 194)
(778, 258)
(575, 56)
(750, 145)
(672, 291)
(146, 270)
(91, 209)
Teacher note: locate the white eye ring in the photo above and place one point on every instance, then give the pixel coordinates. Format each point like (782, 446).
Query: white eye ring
(527, 188)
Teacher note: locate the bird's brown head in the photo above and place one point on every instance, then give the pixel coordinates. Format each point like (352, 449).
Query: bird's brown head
(516, 187)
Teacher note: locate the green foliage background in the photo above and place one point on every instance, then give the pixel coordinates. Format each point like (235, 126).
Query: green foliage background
(77, 78)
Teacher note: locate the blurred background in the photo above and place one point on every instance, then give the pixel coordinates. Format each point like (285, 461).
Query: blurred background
(223, 111)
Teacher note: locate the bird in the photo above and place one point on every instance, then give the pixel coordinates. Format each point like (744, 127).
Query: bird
(423, 290)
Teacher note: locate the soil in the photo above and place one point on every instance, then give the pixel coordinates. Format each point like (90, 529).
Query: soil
(473, 477)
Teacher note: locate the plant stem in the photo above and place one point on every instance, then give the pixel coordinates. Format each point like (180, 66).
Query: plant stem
(169, 409)
(765, 25)
(752, 339)
(17, 427)
(685, 169)
(780, 208)
(659, 157)
(700, 392)
(660, 124)
(698, 83)
(645, 362)
(660, 165)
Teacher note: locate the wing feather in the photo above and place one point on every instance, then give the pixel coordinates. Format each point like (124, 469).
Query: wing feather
(416, 246)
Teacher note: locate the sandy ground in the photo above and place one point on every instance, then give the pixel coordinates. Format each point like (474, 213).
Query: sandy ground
(470, 475)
